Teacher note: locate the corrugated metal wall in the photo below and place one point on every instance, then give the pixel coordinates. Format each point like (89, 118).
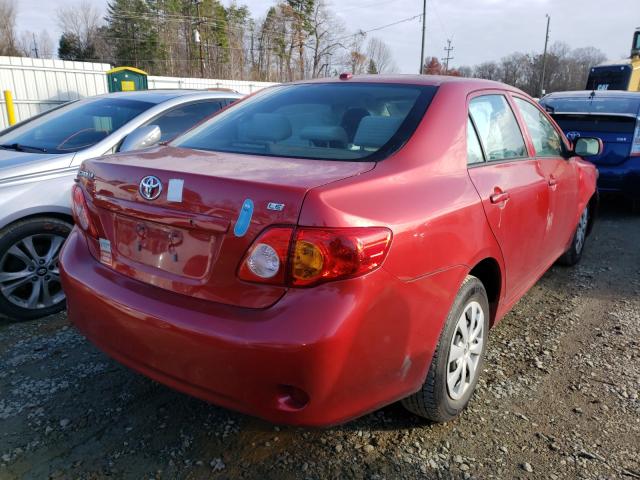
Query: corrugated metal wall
(240, 86)
(41, 84)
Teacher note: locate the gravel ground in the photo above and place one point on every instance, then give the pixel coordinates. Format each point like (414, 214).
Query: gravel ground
(558, 399)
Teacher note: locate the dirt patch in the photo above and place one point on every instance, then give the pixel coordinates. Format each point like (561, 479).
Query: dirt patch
(558, 399)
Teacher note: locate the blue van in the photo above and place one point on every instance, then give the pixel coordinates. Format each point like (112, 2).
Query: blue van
(613, 116)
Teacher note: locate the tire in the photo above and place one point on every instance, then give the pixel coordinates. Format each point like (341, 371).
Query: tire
(573, 255)
(436, 400)
(29, 276)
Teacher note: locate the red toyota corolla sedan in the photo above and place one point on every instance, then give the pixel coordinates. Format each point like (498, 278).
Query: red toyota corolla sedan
(325, 248)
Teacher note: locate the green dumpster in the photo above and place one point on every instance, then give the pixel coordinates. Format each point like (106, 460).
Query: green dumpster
(125, 79)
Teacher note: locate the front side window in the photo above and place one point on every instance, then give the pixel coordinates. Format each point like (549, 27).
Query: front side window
(474, 150)
(497, 128)
(333, 121)
(180, 119)
(74, 127)
(545, 138)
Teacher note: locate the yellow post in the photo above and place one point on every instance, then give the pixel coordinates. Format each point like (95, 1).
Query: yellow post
(11, 113)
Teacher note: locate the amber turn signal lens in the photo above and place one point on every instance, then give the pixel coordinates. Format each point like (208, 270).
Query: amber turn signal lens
(307, 261)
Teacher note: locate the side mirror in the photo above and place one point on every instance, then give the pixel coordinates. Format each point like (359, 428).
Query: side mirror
(587, 147)
(140, 138)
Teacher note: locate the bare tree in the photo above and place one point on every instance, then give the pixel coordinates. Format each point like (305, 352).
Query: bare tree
(356, 58)
(82, 20)
(488, 71)
(37, 45)
(8, 43)
(325, 32)
(380, 53)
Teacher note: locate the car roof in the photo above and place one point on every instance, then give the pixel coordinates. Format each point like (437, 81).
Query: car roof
(414, 79)
(160, 96)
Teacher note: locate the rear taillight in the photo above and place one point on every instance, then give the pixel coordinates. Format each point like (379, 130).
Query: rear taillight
(266, 260)
(81, 211)
(635, 143)
(308, 256)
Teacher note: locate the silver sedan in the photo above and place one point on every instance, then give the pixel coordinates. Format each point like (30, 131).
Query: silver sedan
(39, 159)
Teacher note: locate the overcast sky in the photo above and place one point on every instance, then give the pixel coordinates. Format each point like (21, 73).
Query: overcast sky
(481, 30)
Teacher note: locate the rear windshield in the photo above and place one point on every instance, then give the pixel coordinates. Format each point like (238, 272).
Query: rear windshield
(570, 122)
(627, 105)
(328, 121)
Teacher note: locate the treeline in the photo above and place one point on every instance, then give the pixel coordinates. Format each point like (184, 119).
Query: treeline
(566, 69)
(295, 39)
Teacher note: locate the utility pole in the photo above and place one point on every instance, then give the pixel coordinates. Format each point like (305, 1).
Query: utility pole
(446, 59)
(196, 37)
(544, 57)
(424, 27)
(35, 45)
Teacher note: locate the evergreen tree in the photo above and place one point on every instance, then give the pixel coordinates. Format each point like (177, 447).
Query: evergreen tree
(70, 48)
(372, 70)
(134, 33)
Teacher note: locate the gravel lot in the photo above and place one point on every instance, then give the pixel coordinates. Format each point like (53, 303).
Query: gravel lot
(558, 399)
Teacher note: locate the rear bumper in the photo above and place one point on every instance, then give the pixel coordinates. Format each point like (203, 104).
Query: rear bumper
(623, 178)
(351, 346)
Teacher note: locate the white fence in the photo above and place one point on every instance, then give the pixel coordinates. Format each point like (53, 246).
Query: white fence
(40, 84)
(240, 86)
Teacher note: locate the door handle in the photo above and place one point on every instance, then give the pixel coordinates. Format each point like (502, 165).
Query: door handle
(499, 197)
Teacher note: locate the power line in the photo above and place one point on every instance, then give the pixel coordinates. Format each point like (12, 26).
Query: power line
(448, 57)
(424, 29)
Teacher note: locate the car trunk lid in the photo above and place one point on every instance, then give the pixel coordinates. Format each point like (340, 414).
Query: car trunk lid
(610, 116)
(192, 237)
(615, 130)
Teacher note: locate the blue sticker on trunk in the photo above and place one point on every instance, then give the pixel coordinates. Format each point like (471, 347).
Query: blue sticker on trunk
(244, 218)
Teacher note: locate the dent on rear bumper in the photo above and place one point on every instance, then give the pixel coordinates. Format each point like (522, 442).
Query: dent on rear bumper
(352, 346)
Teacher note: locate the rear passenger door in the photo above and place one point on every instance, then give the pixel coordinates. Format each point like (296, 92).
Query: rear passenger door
(513, 190)
(560, 174)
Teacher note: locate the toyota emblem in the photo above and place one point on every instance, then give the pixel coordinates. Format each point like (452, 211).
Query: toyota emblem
(150, 187)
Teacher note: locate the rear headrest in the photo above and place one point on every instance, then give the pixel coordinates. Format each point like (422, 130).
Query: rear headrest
(374, 132)
(324, 134)
(268, 127)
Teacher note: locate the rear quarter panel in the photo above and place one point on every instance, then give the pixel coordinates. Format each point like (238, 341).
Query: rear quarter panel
(424, 194)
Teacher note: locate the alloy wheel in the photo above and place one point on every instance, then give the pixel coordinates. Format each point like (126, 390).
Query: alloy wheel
(29, 272)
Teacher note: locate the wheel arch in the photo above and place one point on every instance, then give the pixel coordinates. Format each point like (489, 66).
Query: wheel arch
(488, 271)
(61, 214)
(593, 204)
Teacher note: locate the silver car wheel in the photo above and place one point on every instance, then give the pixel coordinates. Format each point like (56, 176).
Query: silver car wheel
(581, 231)
(465, 350)
(29, 272)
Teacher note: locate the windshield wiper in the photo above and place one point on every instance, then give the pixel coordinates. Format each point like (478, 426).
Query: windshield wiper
(23, 148)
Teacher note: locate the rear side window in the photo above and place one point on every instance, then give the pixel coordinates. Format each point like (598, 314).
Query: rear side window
(474, 150)
(332, 121)
(546, 139)
(177, 120)
(497, 128)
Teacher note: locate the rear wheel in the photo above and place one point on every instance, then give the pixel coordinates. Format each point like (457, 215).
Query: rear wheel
(573, 255)
(458, 359)
(29, 274)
